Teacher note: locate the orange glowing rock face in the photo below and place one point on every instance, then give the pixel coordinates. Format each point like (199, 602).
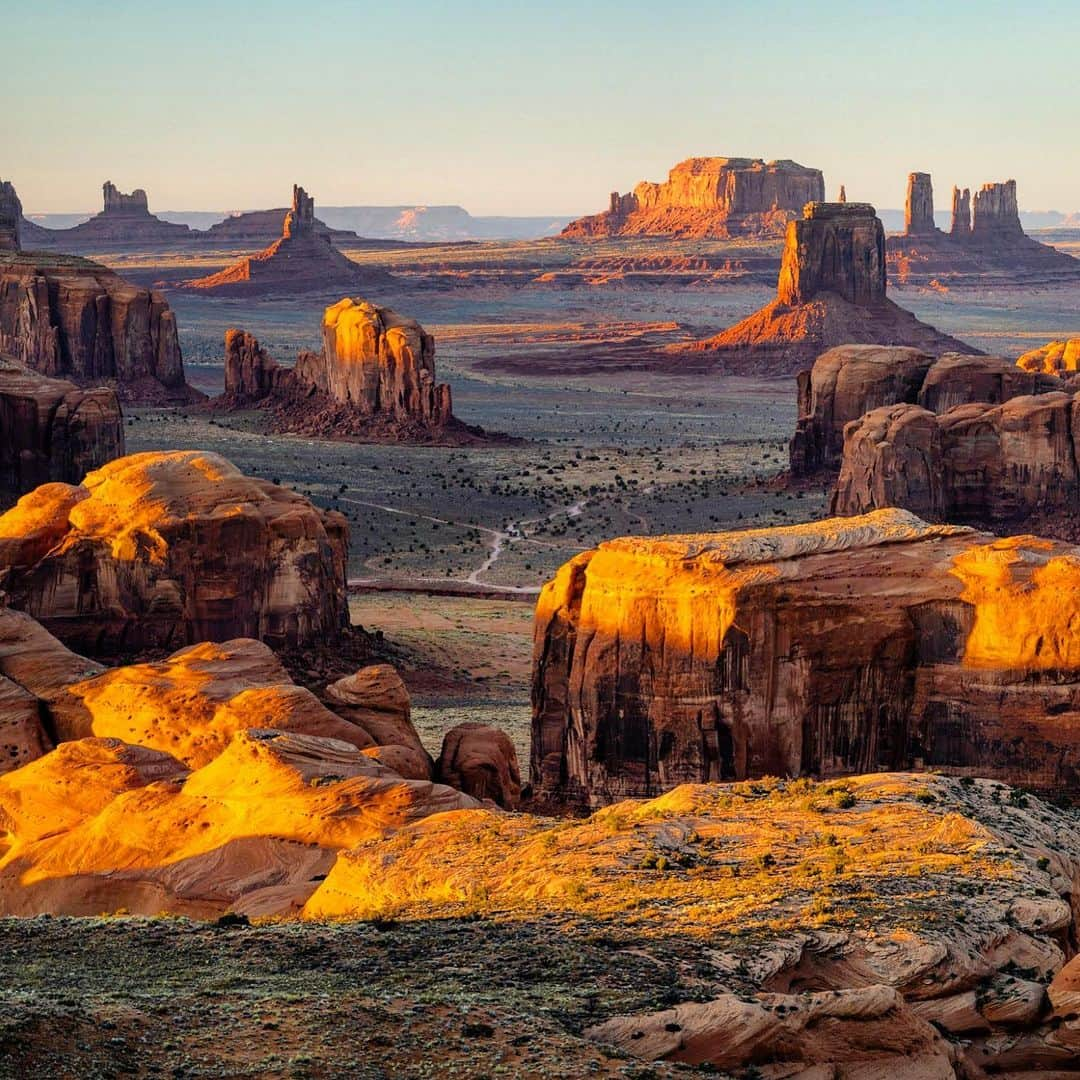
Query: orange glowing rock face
(1055, 358)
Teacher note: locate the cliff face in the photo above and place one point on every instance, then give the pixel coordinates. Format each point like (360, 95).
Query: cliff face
(843, 646)
(51, 430)
(10, 217)
(710, 197)
(919, 206)
(831, 291)
(851, 380)
(69, 317)
(995, 212)
(164, 549)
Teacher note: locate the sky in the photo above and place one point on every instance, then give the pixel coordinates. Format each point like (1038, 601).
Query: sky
(529, 108)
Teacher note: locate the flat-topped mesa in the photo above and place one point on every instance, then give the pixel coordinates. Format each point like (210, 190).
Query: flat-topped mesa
(709, 197)
(10, 217)
(159, 549)
(919, 206)
(50, 430)
(116, 202)
(837, 248)
(850, 380)
(961, 213)
(842, 646)
(995, 212)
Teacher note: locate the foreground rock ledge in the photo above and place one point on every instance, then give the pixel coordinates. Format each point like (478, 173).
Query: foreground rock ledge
(841, 646)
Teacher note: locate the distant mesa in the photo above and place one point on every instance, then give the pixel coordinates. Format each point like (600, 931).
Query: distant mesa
(301, 260)
(713, 197)
(264, 227)
(51, 430)
(985, 244)
(163, 549)
(373, 379)
(831, 291)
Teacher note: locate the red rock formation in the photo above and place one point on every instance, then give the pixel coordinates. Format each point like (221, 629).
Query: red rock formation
(1006, 467)
(1055, 358)
(264, 227)
(710, 197)
(919, 206)
(831, 291)
(250, 373)
(163, 549)
(850, 380)
(961, 213)
(52, 430)
(481, 761)
(302, 260)
(824, 649)
(10, 217)
(69, 317)
(995, 212)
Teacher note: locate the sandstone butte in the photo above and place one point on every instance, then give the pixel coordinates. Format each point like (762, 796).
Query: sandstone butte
(709, 197)
(850, 380)
(985, 245)
(302, 259)
(840, 646)
(157, 550)
(831, 291)
(50, 430)
(373, 379)
(64, 316)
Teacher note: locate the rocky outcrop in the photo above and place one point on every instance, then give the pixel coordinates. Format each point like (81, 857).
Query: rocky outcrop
(919, 206)
(851, 380)
(481, 761)
(816, 650)
(158, 550)
(10, 217)
(710, 197)
(264, 227)
(995, 213)
(1054, 358)
(71, 318)
(374, 378)
(1005, 467)
(301, 260)
(52, 430)
(831, 291)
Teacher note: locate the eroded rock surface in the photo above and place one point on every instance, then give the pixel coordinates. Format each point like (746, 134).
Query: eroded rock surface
(10, 217)
(710, 197)
(165, 549)
(481, 761)
(823, 649)
(831, 291)
(1055, 358)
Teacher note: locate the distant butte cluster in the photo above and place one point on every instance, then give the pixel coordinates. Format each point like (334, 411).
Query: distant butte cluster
(709, 197)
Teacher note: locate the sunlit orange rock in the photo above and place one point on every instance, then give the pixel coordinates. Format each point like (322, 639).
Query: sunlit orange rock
(836, 647)
(1054, 358)
(164, 549)
(481, 761)
(709, 197)
(831, 291)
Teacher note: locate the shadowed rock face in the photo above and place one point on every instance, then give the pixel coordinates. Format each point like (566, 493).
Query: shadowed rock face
(850, 380)
(710, 197)
(52, 430)
(164, 549)
(10, 217)
(995, 211)
(72, 318)
(824, 649)
(481, 761)
(919, 205)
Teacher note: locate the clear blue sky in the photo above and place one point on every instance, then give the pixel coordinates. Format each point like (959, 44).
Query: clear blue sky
(522, 108)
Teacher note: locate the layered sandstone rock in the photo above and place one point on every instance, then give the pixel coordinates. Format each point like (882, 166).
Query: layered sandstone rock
(919, 206)
(69, 317)
(250, 373)
(10, 217)
(851, 380)
(164, 549)
(481, 761)
(831, 291)
(1054, 358)
(961, 212)
(823, 649)
(995, 212)
(264, 227)
(710, 197)
(51, 430)
(1003, 467)
(301, 260)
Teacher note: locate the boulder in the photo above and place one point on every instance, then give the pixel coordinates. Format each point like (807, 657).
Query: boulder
(50, 430)
(481, 761)
(162, 549)
(709, 197)
(824, 649)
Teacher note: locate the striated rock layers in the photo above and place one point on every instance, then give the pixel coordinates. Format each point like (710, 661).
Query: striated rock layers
(1006, 467)
(710, 197)
(301, 260)
(851, 380)
(158, 550)
(52, 430)
(374, 378)
(836, 647)
(68, 317)
(985, 244)
(831, 291)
